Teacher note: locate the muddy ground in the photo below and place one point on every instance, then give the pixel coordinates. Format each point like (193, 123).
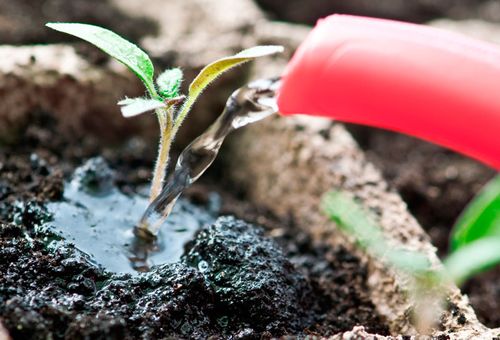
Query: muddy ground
(234, 280)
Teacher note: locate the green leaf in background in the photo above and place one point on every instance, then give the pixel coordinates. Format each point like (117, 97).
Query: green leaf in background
(169, 83)
(210, 72)
(473, 258)
(356, 222)
(478, 251)
(480, 219)
(351, 218)
(122, 50)
(131, 107)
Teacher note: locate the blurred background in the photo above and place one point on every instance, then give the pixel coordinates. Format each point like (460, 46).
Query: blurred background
(410, 10)
(21, 20)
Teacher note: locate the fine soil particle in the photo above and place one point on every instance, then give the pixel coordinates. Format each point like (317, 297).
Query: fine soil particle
(235, 280)
(437, 184)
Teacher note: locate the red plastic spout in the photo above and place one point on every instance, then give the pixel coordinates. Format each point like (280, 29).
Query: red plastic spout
(418, 80)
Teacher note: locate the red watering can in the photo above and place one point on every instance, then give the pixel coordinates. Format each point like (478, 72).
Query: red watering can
(439, 86)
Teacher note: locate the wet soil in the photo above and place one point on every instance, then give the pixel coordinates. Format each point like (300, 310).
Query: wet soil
(437, 184)
(235, 279)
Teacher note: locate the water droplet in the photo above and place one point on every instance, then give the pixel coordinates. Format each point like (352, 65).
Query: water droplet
(203, 266)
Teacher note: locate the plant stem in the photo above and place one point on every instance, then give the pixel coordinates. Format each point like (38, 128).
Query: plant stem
(166, 124)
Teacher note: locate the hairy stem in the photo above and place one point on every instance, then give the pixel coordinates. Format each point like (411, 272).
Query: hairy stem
(166, 125)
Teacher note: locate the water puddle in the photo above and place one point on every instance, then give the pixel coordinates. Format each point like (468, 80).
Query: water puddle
(102, 222)
(98, 219)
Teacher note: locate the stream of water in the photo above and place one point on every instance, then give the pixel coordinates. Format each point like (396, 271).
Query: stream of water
(249, 104)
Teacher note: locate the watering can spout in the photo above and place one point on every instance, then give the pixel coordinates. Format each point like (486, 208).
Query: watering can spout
(439, 86)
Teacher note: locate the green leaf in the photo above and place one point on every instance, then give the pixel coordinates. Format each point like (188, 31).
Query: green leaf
(169, 83)
(406, 260)
(122, 50)
(351, 218)
(131, 107)
(473, 258)
(358, 223)
(481, 218)
(210, 72)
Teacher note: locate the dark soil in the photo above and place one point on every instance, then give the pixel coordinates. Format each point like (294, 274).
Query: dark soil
(437, 184)
(236, 280)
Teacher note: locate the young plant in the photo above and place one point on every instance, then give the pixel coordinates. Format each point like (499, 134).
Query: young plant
(353, 220)
(475, 241)
(426, 289)
(163, 97)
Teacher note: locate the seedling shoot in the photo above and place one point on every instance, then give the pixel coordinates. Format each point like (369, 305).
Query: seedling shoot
(163, 95)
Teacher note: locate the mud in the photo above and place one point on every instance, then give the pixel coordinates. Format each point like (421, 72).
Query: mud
(235, 279)
(100, 221)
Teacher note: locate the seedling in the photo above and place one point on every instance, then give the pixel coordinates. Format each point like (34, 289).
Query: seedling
(475, 240)
(358, 223)
(475, 243)
(163, 97)
(353, 220)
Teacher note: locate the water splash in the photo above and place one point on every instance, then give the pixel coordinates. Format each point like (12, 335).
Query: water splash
(248, 104)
